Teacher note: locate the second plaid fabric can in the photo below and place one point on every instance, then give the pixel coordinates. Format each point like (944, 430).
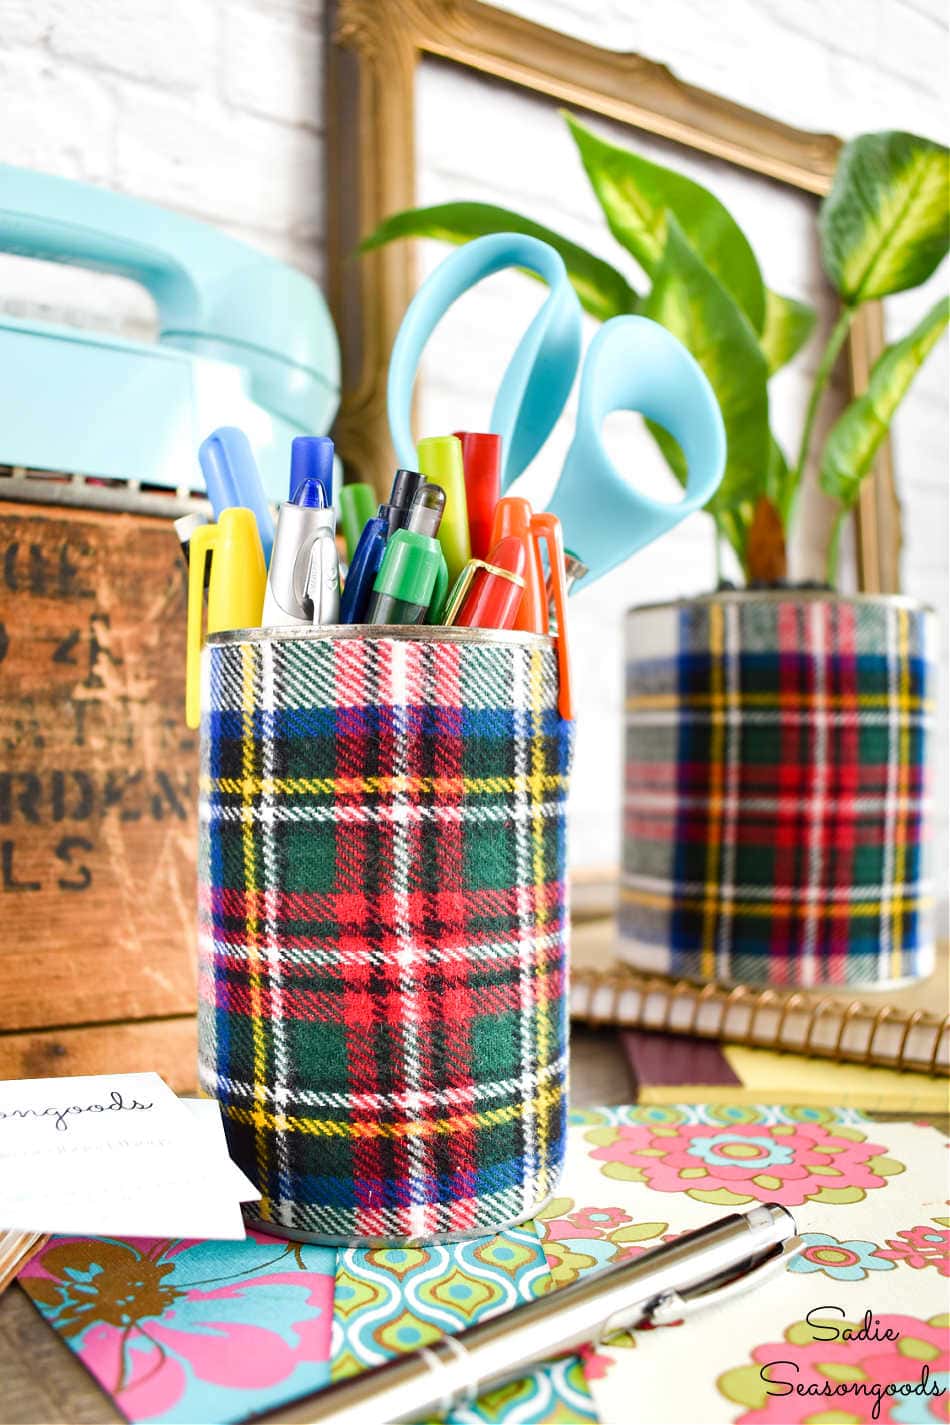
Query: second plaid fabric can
(383, 927)
(776, 800)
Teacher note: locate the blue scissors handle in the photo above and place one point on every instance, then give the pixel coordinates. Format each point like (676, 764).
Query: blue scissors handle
(541, 373)
(634, 364)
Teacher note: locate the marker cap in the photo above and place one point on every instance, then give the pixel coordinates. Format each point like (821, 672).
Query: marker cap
(425, 514)
(513, 517)
(489, 592)
(406, 485)
(310, 495)
(231, 479)
(481, 458)
(311, 458)
(440, 460)
(357, 505)
(235, 589)
(410, 567)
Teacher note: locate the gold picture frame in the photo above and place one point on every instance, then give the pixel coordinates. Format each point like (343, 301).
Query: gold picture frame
(373, 51)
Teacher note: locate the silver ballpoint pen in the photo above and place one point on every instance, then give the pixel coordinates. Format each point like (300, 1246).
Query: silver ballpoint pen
(663, 1285)
(303, 581)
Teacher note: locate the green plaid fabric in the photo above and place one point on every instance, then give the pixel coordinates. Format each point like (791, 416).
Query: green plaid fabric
(383, 929)
(776, 790)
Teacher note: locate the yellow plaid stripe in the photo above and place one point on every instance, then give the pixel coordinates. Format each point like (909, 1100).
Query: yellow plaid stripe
(782, 702)
(248, 664)
(903, 780)
(250, 785)
(833, 910)
(263, 1120)
(536, 781)
(711, 898)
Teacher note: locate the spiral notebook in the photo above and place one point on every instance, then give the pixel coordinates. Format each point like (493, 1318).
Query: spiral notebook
(902, 1029)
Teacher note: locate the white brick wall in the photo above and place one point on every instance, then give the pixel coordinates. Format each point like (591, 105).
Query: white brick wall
(212, 108)
(215, 107)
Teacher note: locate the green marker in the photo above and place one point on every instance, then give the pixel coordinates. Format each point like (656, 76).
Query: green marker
(440, 460)
(413, 579)
(357, 505)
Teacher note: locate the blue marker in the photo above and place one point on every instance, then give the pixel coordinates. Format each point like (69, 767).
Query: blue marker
(231, 479)
(311, 458)
(364, 566)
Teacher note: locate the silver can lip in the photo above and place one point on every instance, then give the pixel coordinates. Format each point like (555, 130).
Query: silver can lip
(379, 632)
(789, 595)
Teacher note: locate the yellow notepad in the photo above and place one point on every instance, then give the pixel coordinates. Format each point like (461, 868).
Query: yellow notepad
(767, 1077)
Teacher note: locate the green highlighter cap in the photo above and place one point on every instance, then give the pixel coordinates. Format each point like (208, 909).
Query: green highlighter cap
(358, 504)
(440, 461)
(410, 567)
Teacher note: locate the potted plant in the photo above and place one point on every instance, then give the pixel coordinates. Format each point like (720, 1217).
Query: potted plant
(776, 737)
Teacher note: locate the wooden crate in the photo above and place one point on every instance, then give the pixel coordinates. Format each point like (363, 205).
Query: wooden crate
(98, 793)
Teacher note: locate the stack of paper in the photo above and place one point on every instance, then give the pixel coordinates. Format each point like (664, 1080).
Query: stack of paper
(116, 1155)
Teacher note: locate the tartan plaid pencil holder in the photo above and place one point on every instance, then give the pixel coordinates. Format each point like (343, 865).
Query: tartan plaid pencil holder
(383, 926)
(776, 749)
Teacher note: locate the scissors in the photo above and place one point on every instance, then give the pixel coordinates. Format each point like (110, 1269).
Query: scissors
(632, 364)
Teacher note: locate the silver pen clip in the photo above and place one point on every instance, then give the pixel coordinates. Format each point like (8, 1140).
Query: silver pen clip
(674, 1305)
(321, 584)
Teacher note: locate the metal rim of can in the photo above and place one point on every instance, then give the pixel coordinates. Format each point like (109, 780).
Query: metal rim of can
(379, 632)
(789, 595)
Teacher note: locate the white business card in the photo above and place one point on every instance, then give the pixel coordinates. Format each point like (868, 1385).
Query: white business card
(115, 1155)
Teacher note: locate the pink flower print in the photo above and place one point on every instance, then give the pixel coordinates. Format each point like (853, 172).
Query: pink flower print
(596, 1221)
(746, 1162)
(803, 1379)
(595, 1365)
(579, 1239)
(921, 1247)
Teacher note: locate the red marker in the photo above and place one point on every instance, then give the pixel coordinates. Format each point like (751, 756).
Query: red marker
(481, 459)
(489, 593)
(513, 517)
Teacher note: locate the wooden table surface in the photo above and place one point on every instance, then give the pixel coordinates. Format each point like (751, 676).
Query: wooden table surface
(42, 1383)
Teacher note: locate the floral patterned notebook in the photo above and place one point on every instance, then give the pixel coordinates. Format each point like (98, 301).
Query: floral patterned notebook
(191, 1331)
(218, 1331)
(870, 1200)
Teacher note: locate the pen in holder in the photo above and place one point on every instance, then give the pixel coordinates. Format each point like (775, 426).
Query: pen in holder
(383, 925)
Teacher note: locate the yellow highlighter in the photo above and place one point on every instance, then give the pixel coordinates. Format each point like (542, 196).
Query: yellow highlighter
(235, 589)
(440, 461)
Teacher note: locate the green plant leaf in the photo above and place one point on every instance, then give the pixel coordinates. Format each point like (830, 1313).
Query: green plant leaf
(883, 226)
(733, 526)
(788, 325)
(779, 480)
(636, 196)
(854, 438)
(603, 291)
(688, 300)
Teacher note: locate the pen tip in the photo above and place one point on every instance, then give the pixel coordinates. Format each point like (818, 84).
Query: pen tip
(311, 494)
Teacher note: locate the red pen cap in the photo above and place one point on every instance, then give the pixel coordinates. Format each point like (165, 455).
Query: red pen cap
(513, 517)
(547, 528)
(481, 459)
(496, 589)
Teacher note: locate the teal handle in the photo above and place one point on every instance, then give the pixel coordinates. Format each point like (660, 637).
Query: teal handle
(215, 296)
(634, 364)
(540, 374)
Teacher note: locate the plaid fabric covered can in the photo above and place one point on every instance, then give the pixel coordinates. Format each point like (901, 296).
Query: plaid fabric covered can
(775, 800)
(383, 926)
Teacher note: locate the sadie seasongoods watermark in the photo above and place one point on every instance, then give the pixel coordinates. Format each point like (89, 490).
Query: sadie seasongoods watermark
(781, 1376)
